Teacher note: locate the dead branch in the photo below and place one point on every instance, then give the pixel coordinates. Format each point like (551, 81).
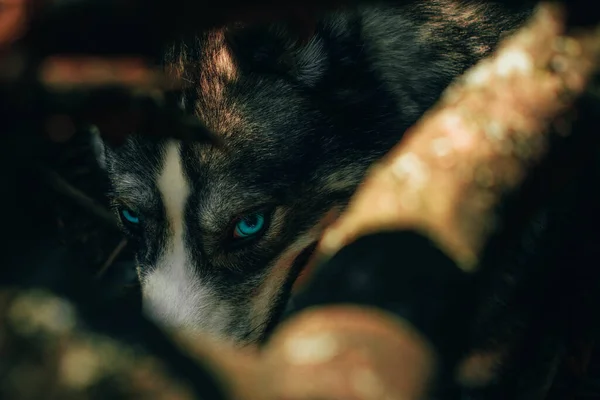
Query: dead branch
(480, 143)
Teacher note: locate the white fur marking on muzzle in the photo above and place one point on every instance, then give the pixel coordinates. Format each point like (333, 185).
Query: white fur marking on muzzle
(173, 292)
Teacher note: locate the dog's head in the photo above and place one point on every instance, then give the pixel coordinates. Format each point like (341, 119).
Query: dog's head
(221, 233)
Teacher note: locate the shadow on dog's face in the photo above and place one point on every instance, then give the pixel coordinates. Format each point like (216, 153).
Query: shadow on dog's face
(221, 233)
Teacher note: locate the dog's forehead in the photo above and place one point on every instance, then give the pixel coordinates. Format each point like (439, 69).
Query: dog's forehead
(257, 118)
(220, 179)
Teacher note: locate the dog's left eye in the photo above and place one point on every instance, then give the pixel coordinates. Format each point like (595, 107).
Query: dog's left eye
(249, 225)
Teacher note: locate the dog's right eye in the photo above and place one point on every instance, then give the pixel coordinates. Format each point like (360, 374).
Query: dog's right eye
(129, 217)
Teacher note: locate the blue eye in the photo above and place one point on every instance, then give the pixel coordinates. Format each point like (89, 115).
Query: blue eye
(130, 216)
(249, 225)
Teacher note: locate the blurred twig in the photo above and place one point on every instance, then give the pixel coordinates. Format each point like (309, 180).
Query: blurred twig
(111, 258)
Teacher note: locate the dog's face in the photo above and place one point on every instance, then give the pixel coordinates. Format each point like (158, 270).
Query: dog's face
(221, 233)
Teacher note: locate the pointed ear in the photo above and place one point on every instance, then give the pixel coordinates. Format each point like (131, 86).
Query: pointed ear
(99, 148)
(291, 49)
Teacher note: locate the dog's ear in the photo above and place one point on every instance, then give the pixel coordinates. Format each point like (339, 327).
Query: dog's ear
(99, 148)
(291, 49)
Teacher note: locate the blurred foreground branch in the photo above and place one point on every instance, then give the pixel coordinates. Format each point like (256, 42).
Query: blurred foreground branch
(450, 175)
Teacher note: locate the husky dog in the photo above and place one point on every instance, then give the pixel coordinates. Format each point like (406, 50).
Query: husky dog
(223, 232)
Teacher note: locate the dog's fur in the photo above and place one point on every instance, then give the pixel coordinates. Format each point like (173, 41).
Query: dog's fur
(302, 118)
